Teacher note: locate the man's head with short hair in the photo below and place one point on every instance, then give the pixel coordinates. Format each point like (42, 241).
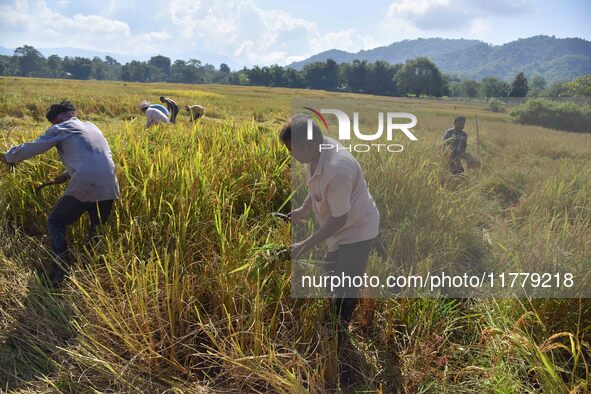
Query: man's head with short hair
(60, 112)
(162, 98)
(294, 135)
(459, 123)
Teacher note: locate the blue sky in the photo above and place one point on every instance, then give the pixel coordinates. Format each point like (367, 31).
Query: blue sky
(277, 31)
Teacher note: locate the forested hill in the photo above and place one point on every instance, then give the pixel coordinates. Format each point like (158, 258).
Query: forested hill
(555, 59)
(398, 52)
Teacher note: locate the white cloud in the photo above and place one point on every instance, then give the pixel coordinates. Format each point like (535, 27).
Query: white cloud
(33, 22)
(453, 14)
(346, 40)
(481, 27)
(94, 24)
(255, 35)
(158, 35)
(473, 19)
(238, 29)
(185, 28)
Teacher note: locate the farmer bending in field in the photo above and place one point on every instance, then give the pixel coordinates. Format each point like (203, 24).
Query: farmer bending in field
(160, 108)
(89, 166)
(173, 108)
(195, 111)
(455, 140)
(153, 115)
(343, 208)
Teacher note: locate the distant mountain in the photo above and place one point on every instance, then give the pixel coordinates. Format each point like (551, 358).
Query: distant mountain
(6, 51)
(205, 57)
(398, 52)
(553, 58)
(334, 54)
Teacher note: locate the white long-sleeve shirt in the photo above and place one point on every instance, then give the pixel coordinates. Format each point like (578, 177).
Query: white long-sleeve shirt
(154, 116)
(85, 153)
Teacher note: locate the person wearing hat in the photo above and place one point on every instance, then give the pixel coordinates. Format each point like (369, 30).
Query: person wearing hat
(93, 185)
(196, 111)
(172, 106)
(153, 115)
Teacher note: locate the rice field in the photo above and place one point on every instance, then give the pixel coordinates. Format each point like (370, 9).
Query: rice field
(186, 291)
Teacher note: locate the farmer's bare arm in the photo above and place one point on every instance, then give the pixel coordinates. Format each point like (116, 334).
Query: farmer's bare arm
(338, 197)
(330, 227)
(302, 212)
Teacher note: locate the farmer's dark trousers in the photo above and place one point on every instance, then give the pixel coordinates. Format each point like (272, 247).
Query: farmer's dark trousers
(67, 211)
(456, 166)
(351, 260)
(174, 113)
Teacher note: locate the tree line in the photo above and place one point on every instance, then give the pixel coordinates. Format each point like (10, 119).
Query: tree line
(416, 77)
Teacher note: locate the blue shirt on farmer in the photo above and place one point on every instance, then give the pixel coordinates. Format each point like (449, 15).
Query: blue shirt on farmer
(160, 108)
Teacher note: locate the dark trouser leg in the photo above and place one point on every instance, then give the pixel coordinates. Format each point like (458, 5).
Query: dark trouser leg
(344, 308)
(174, 113)
(99, 213)
(350, 260)
(67, 211)
(456, 166)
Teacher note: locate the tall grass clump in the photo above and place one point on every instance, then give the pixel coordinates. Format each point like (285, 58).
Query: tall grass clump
(556, 115)
(496, 105)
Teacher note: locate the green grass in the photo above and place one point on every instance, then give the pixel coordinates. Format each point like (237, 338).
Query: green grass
(185, 292)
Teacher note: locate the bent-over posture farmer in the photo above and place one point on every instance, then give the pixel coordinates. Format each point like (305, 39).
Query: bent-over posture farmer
(455, 139)
(160, 108)
(195, 111)
(93, 186)
(172, 106)
(343, 208)
(153, 115)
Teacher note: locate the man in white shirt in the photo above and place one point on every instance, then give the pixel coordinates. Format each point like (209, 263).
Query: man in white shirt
(342, 205)
(93, 186)
(153, 115)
